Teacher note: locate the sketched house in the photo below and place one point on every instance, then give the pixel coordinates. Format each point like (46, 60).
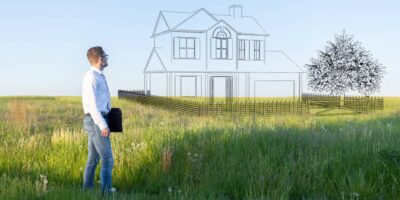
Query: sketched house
(198, 53)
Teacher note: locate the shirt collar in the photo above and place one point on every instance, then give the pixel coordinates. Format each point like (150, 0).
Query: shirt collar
(96, 70)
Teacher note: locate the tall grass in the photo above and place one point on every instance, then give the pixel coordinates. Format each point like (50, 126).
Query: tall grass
(165, 156)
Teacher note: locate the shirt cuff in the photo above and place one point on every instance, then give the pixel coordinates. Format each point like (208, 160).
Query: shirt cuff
(102, 125)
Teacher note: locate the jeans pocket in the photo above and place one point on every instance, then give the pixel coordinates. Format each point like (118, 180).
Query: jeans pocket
(88, 125)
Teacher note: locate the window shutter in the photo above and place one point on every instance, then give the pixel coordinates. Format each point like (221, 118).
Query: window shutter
(176, 47)
(230, 49)
(246, 49)
(197, 48)
(262, 50)
(212, 48)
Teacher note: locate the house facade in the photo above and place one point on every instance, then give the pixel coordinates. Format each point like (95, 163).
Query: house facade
(205, 55)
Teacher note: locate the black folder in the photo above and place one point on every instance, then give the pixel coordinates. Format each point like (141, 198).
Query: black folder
(115, 120)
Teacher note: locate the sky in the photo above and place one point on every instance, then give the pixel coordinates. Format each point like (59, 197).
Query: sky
(43, 43)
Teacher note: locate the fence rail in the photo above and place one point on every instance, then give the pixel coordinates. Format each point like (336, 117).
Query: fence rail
(358, 104)
(132, 93)
(247, 107)
(363, 104)
(354, 103)
(321, 100)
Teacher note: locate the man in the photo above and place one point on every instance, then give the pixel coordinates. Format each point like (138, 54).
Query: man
(96, 105)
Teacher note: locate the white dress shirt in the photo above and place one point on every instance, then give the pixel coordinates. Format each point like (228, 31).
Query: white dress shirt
(96, 96)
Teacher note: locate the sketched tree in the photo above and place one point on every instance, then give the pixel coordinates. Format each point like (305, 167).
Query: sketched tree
(344, 65)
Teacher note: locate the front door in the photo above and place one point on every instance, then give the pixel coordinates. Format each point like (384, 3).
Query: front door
(221, 86)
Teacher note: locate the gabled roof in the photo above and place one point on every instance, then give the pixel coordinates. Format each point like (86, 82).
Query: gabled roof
(154, 63)
(161, 24)
(279, 61)
(201, 20)
(174, 18)
(246, 25)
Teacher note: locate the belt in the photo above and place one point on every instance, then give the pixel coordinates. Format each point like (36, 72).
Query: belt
(102, 113)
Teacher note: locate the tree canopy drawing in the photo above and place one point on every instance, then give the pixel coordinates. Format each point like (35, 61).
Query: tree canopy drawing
(344, 65)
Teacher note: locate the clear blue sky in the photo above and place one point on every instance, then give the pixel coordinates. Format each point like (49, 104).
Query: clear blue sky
(43, 43)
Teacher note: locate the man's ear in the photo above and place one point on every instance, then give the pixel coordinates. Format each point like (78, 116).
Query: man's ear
(99, 60)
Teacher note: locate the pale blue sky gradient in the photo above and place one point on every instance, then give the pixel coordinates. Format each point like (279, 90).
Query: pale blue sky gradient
(43, 43)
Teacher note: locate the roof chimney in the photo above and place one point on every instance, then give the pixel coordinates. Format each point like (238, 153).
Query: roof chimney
(236, 11)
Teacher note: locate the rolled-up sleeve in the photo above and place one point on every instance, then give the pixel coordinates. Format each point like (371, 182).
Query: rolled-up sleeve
(90, 90)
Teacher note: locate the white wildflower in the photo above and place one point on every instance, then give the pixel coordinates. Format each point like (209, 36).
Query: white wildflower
(355, 194)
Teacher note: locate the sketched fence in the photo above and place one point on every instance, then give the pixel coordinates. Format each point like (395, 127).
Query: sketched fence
(363, 104)
(132, 93)
(192, 107)
(354, 103)
(321, 100)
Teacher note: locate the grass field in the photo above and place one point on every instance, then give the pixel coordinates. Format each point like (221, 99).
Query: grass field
(161, 155)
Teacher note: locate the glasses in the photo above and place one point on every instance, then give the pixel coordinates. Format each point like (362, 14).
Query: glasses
(105, 56)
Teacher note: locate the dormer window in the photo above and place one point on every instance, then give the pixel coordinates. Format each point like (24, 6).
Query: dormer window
(222, 36)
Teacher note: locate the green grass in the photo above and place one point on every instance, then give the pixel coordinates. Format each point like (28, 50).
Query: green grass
(165, 156)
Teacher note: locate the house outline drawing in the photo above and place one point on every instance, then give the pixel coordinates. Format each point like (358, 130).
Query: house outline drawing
(200, 48)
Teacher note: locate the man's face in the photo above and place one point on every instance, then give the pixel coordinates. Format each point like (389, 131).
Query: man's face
(104, 60)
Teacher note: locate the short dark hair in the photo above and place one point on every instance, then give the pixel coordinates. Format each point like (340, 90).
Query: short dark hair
(94, 53)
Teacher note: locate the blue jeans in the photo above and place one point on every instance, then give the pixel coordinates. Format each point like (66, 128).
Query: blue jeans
(99, 147)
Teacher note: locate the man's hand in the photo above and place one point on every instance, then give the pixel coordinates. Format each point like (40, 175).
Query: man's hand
(105, 132)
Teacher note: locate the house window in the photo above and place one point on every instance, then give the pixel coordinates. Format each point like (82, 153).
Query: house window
(187, 48)
(257, 50)
(222, 37)
(222, 48)
(242, 49)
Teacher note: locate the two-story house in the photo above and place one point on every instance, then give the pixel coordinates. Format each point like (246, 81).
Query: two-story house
(196, 52)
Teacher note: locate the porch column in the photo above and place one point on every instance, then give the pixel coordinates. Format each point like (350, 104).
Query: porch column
(144, 83)
(300, 85)
(247, 85)
(167, 84)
